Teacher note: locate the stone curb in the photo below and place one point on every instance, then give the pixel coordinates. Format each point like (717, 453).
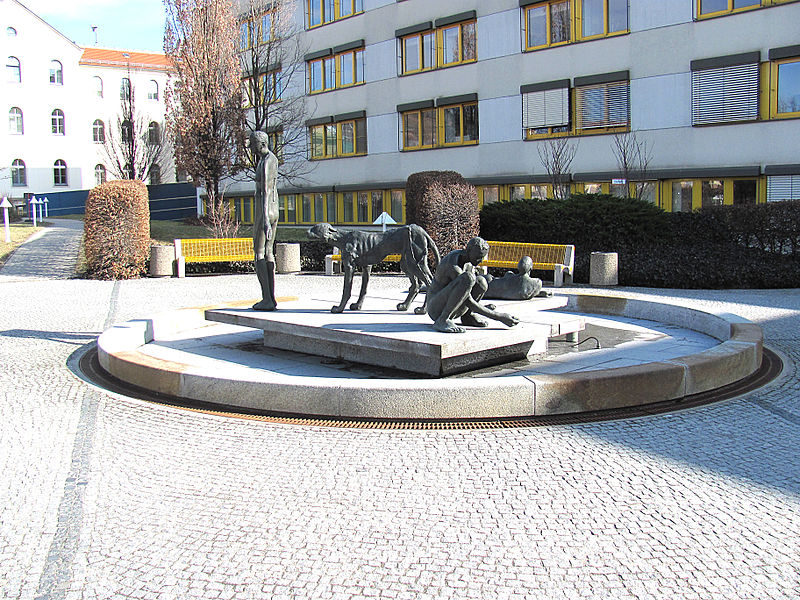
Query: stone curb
(737, 356)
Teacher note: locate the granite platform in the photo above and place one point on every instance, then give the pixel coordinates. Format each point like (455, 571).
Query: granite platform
(385, 337)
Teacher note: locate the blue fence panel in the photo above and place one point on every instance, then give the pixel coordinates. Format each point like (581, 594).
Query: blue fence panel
(168, 202)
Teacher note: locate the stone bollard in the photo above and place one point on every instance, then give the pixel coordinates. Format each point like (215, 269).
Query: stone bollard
(287, 258)
(161, 258)
(603, 268)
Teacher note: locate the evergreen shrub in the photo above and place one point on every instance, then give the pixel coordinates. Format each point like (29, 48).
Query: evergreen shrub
(117, 230)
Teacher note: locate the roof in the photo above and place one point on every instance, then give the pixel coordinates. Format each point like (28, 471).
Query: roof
(103, 57)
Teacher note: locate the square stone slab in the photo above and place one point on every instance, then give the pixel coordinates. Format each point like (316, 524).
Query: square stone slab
(385, 337)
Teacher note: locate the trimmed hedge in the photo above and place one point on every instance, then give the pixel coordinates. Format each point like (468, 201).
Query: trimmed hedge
(445, 205)
(117, 230)
(745, 246)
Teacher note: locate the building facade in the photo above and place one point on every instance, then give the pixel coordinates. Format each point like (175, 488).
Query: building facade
(709, 88)
(61, 100)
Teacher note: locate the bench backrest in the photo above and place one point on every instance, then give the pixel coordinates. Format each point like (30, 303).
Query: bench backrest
(215, 249)
(559, 254)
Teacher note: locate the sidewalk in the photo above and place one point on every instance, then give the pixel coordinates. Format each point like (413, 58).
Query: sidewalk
(51, 252)
(103, 497)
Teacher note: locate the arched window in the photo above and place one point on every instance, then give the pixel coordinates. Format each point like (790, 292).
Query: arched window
(56, 72)
(59, 172)
(126, 131)
(13, 70)
(15, 124)
(155, 175)
(57, 121)
(11, 32)
(99, 174)
(125, 89)
(152, 90)
(98, 132)
(18, 174)
(154, 134)
(97, 82)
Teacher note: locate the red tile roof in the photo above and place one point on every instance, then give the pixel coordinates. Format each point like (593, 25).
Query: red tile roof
(101, 57)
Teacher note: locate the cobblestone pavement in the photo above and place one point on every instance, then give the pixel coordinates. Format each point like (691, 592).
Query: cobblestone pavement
(107, 497)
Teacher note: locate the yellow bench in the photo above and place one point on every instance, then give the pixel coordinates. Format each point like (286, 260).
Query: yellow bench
(559, 258)
(205, 250)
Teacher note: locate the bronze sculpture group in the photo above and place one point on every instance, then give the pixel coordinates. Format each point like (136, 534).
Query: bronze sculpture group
(454, 290)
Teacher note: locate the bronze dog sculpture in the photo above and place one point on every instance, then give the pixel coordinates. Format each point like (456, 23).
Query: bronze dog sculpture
(362, 249)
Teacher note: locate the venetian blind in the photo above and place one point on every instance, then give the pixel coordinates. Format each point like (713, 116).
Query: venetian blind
(725, 94)
(546, 108)
(602, 105)
(783, 187)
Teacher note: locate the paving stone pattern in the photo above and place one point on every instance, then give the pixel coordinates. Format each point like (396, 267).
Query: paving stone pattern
(107, 497)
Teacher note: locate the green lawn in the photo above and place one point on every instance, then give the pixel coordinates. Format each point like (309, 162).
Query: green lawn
(166, 231)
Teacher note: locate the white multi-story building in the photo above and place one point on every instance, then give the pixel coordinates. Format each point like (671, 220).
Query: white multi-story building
(58, 97)
(710, 87)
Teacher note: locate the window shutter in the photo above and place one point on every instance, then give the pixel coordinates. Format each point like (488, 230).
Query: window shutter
(603, 105)
(546, 108)
(783, 187)
(725, 94)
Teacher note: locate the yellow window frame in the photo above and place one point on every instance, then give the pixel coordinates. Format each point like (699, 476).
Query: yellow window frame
(440, 33)
(356, 8)
(418, 113)
(327, 86)
(340, 138)
(578, 32)
(576, 108)
(549, 24)
(774, 82)
(420, 52)
(440, 125)
(729, 10)
(353, 56)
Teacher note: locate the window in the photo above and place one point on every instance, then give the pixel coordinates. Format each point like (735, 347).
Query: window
(57, 122)
(97, 85)
(547, 24)
(446, 42)
(453, 122)
(397, 201)
(154, 134)
(56, 73)
(245, 35)
(13, 70)
(603, 17)
(152, 90)
(725, 89)
(287, 208)
(707, 8)
(126, 132)
(362, 207)
(15, 123)
(321, 12)
(19, 175)
(682, 196)
(745, 191)
(99, 174)
(336, 67)
(602, 106)
(343, 136)
(712, 192)
(545, 109)
(779, 187)
(155, 179)
(125, 89)
(784, 82)
(554, 22)
(59, 172)
(98, 132)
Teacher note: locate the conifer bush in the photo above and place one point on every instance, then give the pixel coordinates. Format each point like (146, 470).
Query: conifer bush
(117, 230)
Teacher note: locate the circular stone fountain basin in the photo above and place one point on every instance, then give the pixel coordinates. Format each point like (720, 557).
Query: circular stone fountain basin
(181, 355)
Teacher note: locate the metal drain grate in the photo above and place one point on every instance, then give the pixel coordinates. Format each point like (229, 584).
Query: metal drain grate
(771, 367)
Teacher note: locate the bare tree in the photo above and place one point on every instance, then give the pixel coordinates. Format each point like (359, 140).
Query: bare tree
(133, 145)
(633, 159)
(271, 54)
(556, 156)
(204, 102)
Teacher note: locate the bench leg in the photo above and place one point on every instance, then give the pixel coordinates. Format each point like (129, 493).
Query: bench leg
(558, 277)
(180, 267)
(331, 265)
